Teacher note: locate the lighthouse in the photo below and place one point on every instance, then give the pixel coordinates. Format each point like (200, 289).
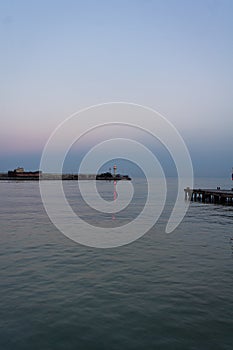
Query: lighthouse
(114, 170)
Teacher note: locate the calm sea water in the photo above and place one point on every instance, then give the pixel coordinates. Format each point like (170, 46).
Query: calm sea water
(161, 292)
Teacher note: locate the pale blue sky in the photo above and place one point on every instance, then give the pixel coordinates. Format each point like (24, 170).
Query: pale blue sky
(174, 56)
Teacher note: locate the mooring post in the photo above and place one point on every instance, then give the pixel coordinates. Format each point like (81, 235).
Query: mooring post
(188, 194)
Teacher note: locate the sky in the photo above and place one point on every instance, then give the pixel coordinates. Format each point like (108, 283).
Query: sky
(174, 56)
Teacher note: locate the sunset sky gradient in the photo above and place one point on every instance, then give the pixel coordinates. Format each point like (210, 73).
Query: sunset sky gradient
(173, 56)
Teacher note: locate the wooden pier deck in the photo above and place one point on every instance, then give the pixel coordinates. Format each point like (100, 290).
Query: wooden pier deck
(214, 196)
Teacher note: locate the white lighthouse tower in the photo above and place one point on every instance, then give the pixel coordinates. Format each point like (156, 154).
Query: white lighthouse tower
(114, 170)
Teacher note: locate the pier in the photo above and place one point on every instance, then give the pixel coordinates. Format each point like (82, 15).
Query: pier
(212, 196)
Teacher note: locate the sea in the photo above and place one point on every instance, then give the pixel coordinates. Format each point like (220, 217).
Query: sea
(163, 291)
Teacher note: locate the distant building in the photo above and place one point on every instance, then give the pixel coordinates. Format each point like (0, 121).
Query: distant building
(19, 172)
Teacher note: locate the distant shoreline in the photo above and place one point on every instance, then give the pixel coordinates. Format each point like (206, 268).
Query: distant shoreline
(64, 177)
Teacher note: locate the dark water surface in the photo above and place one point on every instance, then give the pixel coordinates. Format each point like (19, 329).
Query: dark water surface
(161, 292)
